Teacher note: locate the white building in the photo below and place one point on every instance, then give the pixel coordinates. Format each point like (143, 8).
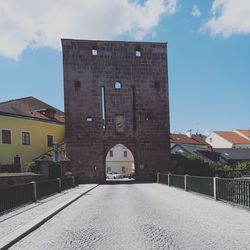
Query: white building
(120, 160)
(226, 139)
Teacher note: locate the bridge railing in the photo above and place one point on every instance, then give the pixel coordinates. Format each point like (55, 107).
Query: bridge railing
(235, 191)
(200, 184)
(177, 181)
(231, 190)
(14, 196)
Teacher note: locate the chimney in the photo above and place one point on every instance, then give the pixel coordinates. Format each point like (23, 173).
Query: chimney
(189, 133)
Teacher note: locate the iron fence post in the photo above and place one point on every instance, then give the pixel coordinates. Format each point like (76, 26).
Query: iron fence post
(34, 191)
(185, 182)
(59, 185)
(169, 174)
(158, 177)
(215, 188)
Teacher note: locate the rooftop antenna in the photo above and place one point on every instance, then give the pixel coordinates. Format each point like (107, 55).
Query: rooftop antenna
(197, 128)
(175, 132)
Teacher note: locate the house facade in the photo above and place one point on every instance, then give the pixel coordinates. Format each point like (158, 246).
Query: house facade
(28, 128)
(120, 160)
(228, 139)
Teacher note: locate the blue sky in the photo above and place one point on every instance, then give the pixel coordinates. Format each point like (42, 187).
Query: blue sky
(208, 52)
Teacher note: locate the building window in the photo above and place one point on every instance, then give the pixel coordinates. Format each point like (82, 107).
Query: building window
(111, 154)
(89, 119)
(6, 136)
(138, 52)
(118, 85)
(123, 170)
(50, 140)
(25, 138)
(210, 139)
(125, 153)
(94, 52)
(108, 170)
(77, 84)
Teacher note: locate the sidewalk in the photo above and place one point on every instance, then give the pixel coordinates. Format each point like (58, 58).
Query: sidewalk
(20, 221)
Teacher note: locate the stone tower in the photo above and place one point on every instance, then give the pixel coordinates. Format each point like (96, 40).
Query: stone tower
(116, 93)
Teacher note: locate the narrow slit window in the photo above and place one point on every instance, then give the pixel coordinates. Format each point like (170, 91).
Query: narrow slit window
(134, 108)
(103, 107)
(118, 85)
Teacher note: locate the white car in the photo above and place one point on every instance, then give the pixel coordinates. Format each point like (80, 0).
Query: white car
(114, 175)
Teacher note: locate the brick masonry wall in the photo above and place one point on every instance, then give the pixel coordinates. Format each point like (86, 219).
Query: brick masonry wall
(147, 109)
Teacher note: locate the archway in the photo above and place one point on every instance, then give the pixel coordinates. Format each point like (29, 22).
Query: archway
(119, 164)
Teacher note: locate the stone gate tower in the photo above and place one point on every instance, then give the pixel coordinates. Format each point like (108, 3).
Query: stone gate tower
(116, 93)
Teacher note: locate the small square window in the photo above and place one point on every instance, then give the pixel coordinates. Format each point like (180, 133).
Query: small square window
(77, 84)
(89, 119)
(94, 52)
(6, 136)
(138, 53)
(25, 138)
(50, 140)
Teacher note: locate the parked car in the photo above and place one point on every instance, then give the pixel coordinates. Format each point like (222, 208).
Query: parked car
(114, 175)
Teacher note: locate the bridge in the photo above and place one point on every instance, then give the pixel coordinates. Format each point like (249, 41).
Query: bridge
(127, 216)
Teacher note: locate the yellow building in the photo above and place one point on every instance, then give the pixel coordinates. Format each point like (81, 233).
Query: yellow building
(28, 128)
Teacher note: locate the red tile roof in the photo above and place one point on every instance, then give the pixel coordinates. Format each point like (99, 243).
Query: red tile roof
(181, 138)
(244, 132)
(232, 137)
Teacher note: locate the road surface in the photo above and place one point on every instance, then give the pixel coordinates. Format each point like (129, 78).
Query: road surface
(143, 216)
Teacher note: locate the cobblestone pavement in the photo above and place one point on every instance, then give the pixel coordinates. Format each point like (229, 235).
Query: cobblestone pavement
(143, 216)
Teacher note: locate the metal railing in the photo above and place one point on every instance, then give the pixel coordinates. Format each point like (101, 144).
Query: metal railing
(163, 178)
(231, 190)
(46, 188)
(67, 183)
(177, 181)
(14, 196)
(235, 191)
(200, 184)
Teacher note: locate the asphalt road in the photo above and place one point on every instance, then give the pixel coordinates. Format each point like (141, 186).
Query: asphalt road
(143, 216)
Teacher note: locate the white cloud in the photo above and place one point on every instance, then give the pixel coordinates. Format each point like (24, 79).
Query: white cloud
(229, 17)
(34, 24)
(196, 11)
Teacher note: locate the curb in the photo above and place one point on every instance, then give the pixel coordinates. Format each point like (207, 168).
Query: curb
(20, 233)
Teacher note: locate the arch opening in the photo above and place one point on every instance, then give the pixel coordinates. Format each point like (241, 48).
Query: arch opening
(119, 164)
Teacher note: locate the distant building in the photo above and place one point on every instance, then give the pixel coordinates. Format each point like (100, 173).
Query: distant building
(232, 156)
(192, 140)
(28, 128)
(232, 139)
(120, 160)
